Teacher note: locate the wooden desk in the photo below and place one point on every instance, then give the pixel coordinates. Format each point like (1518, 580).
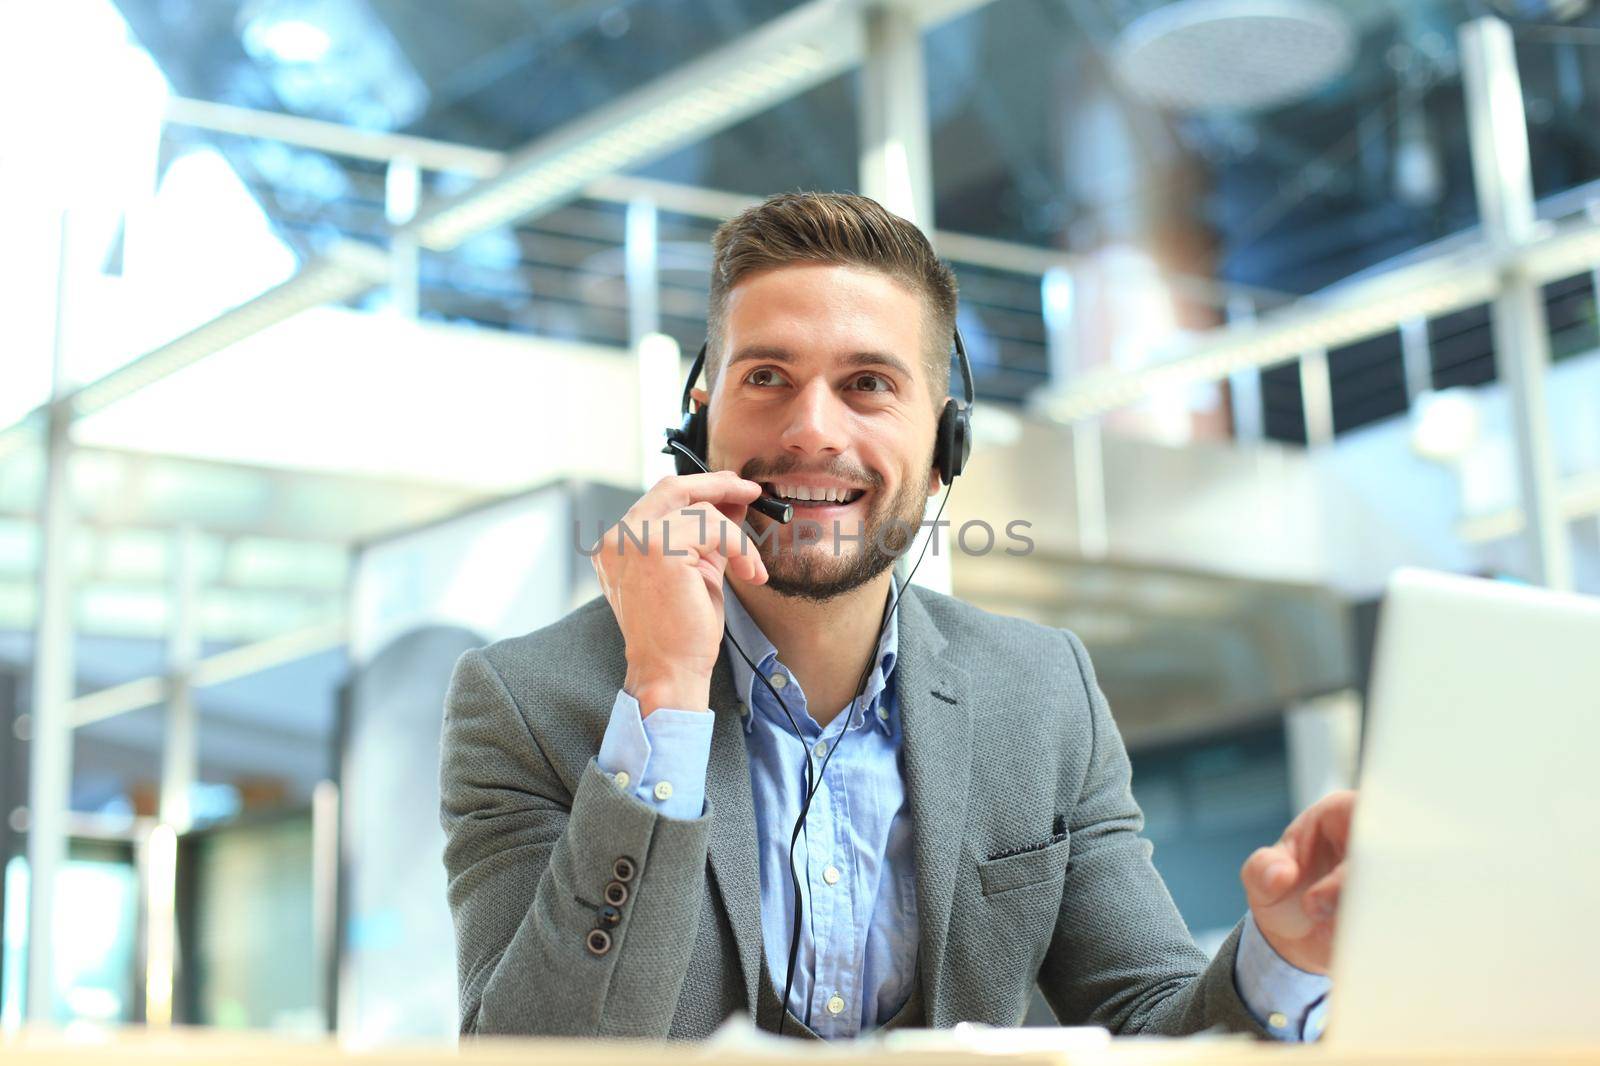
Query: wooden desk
(203, 1047)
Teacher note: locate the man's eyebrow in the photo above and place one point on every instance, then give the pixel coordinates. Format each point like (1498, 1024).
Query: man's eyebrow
(775, 354)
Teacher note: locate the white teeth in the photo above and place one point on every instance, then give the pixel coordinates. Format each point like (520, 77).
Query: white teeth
(801, 492)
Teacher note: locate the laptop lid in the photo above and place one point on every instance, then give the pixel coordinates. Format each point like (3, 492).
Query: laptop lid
(1471, 907)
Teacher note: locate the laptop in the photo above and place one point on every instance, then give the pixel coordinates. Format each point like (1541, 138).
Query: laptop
(1470, 915)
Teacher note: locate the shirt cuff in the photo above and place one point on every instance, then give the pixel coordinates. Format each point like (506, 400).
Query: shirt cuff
(660, 760)
(1290, 1003)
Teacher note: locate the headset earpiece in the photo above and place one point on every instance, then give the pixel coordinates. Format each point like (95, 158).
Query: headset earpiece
(952, 441)
(692, 433)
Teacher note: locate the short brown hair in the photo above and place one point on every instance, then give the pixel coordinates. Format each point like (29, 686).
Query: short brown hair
(834, 227)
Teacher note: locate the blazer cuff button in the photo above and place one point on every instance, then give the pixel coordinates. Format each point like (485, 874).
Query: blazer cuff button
(616, 893)
(610, 915)
(623, 869)
(598, 942)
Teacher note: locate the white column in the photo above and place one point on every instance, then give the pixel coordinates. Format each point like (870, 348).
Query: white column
(1244, 386)
(895, 169)
(656, 354)
(642, 269)
(50, 752)
(402, 192)
(1063, 345)
(1502, 173)
(1416, 353)
(325, 899)
(180, 752)
(896, 172)
(1316, 396)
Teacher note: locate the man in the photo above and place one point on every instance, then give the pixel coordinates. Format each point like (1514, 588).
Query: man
(619, 789)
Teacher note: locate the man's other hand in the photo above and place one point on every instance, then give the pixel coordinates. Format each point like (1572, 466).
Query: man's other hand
(1293, 886)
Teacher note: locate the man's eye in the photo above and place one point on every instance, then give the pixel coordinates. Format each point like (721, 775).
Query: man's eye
(873, 383)
(762, 376)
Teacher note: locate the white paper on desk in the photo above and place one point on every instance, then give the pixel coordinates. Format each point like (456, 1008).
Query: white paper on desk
(997, 1040)
(738, 1034)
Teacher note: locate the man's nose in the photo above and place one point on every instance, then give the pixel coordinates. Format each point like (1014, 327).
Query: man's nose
(816, 421)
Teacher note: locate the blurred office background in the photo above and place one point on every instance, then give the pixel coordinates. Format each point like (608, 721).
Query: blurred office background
(332, 327)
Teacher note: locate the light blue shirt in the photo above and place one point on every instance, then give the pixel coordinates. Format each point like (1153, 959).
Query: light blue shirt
(858, 934)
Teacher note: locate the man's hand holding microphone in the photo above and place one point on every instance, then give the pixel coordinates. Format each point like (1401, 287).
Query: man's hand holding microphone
(661, 568)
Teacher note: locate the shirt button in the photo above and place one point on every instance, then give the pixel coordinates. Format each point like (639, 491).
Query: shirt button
(778, 680)
(821, 749)
(1278, 1020)
(835, 1005)
(883, 713)
(621, 778)
(663, 790)
(831, 875)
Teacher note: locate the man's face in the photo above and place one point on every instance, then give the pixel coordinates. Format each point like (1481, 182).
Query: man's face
(822, 391)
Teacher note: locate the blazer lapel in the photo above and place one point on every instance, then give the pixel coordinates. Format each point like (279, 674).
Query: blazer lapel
(936, 720)
(734, 853)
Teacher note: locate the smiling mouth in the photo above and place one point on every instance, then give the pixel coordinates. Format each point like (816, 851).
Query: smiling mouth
(805, 498)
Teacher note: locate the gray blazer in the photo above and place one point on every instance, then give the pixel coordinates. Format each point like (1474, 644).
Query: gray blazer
(1005, 729)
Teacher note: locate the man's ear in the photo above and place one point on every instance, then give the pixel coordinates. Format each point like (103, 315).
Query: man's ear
(700, 397)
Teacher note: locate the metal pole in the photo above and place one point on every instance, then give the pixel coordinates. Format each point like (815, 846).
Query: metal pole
(50, 756)
(180, 755)
(1316, 396)
(402, 192)
(641, 270)
(656, 356)
(1244, 386)
(896, 171)
(1417, 356)
(895, 168)
(1058, 299)
(1063, 344)
(1502, 173)
(325, 900)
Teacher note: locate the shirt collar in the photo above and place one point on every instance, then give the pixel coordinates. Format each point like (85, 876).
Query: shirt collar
(743, 629)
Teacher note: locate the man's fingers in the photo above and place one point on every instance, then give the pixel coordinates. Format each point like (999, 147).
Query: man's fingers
(1269, 874)
(1321, 831)
(1321, 900)
(679, 491)
(704, 529)
(1335, 812)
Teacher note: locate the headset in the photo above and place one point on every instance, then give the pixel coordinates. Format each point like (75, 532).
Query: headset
(687, 444)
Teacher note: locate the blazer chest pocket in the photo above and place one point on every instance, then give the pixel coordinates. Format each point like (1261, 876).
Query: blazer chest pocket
(1023, 868)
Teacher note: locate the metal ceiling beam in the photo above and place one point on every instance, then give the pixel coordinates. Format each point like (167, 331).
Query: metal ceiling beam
(211, 670)
(673, 197)
(333, 138)
(1345, 314)
(773, 63)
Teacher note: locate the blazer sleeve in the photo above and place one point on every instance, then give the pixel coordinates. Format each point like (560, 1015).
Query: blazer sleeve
(1121, 956)
(529, 863)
